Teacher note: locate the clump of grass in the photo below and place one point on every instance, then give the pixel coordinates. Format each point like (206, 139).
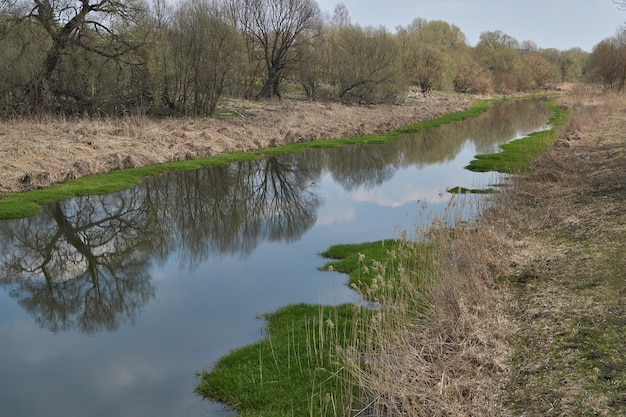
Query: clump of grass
(294, 371)
(464, 190)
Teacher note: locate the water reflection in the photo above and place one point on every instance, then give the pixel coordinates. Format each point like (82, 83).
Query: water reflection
(371, 166)
(83, 263)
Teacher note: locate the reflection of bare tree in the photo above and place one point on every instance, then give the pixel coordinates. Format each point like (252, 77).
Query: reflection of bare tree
(81, 264)
(507, 120)
(362, 165)
(228, 210)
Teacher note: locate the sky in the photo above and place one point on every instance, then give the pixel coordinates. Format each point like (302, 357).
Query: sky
(560, 24)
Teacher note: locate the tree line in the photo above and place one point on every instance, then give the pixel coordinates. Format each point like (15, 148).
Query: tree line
(116, 57)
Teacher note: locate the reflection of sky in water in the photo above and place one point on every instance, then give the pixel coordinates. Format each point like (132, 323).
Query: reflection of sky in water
(407, 200)
(147, 368)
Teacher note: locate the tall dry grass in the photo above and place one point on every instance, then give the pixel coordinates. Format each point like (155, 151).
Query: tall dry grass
(437, 343)
(437, 338)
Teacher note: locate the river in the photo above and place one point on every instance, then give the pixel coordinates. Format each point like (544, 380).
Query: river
(110, 305)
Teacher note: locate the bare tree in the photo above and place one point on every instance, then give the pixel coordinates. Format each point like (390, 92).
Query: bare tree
(341, 16)
(364, 64)
(205, 51)
(97, 27)
(276, 27)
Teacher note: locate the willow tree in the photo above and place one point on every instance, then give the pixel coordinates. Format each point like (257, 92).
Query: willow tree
(99, 28)
(277, 28)
(362, 64)
(429, 52)
(500, 53)
(205, 52)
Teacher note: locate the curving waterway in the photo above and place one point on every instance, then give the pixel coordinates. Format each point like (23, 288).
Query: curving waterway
(110, 304)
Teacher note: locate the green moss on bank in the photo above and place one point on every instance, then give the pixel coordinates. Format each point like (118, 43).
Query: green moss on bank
(517, 156)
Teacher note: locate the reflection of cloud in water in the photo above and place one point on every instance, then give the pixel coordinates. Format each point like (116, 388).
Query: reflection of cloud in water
(396, 197)
(127, 376)
(336, 210)
(337, 207)
(427, 184)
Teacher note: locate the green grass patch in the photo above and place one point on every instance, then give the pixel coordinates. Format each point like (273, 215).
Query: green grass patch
(294, 371)
(360, 261)
(516, 156)
(383, 269)
(463, 190)
(29, 203)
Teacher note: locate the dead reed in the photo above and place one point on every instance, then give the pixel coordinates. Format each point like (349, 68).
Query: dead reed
(437, 337)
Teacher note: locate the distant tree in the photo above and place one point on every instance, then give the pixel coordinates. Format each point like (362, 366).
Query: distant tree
(363, 63)
(500, 53)
(341, 16)
(472, 76)
(428, 52)
(608, 63)
(541, 72)
(497, 40)
(276, 28)
(528, 46)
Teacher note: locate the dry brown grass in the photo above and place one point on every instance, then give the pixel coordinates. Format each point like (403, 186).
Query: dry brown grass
(567, 292)
(438, 340)
(38, 152)
(521, 314)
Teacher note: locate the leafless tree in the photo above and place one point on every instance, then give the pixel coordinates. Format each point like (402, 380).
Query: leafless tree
(97, 27)
(276, 27)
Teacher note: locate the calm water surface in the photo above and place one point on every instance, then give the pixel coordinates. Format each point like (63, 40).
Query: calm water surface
(109, 305)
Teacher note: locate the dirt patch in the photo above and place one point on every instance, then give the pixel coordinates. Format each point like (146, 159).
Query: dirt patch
(35, 153)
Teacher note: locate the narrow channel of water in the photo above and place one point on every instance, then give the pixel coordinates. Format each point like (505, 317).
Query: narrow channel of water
(110, 304)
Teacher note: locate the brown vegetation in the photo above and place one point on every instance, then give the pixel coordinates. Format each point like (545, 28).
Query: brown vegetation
(36, 152)
(567, 292)
(524, 309)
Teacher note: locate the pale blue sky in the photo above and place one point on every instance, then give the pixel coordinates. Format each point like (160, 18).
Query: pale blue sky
(560, 24)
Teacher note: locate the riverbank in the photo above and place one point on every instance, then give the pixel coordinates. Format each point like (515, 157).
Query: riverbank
(527, 320)
(566, 222)
(38, 152)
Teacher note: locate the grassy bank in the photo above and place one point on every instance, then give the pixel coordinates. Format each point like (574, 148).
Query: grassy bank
(29, 203)
(567, 221)
(294, 371)
(517, 156)
(429, 340)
